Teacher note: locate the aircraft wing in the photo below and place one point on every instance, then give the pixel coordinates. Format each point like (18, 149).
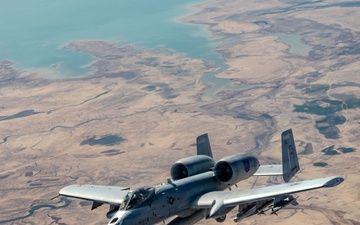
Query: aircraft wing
(99, 194)
(219, 200)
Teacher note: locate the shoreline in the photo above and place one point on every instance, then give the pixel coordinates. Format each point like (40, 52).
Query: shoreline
(44, 49)
(56, 133)
(213, 83)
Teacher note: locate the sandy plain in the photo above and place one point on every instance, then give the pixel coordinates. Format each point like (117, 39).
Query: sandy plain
(148, 106)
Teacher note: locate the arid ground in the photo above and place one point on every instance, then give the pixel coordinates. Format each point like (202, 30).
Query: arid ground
(141, 110)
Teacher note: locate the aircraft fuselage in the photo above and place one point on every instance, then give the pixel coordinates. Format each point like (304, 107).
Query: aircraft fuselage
(172, 198)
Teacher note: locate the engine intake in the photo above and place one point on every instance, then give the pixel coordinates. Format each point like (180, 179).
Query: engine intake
(191, 166)
(233, 169)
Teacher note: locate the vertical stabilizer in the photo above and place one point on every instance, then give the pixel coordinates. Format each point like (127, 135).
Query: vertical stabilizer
(203, 145)
(290, 160)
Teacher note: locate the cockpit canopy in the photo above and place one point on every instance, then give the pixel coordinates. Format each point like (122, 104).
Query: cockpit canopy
(136, 197)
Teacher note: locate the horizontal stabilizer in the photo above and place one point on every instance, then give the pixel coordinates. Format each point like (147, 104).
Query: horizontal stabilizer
(269, 170)
(290, 163)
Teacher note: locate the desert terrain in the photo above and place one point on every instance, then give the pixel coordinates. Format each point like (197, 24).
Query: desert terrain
(139, 111)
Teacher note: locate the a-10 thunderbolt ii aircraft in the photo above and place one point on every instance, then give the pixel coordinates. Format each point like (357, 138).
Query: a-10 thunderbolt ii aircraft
(196, 189)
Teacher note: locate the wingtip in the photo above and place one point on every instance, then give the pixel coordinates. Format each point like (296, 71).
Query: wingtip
(64, 190)
(334, 182)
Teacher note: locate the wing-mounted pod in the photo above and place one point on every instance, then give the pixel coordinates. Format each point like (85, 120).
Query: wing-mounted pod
(191, 166)
(235, 168)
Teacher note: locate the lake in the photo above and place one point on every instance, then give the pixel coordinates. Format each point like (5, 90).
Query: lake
(33, 32)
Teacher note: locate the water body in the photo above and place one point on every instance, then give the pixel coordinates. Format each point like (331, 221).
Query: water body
(112, 152)
(219, 84)
(108, 140)
(33, 208)
(4, 140)
(294, 41)
(330, 151)
(33, 32)
(305, 5)
(21, 114)
(346, 150)
(320, 164)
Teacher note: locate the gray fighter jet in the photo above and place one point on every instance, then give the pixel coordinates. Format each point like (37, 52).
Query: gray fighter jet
(198, 189)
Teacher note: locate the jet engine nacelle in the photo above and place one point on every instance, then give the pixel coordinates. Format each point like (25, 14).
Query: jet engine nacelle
(235, 168)
(191, 166)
